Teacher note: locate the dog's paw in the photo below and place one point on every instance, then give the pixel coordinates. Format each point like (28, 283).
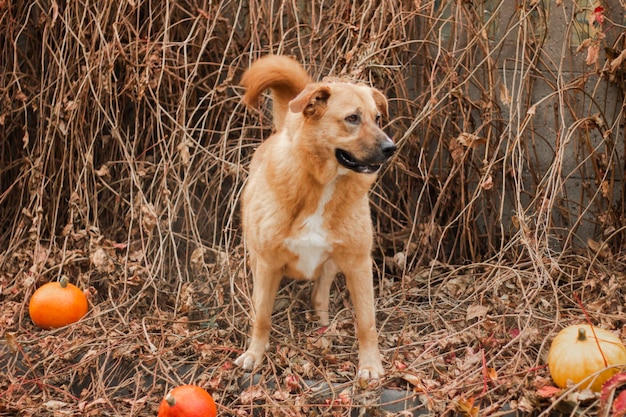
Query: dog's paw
(370, 372)
(248, 361)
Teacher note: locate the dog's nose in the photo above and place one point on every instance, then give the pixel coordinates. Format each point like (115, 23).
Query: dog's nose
(388, 148)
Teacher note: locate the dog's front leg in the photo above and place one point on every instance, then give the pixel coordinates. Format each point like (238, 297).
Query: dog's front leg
(321, 291)
(359, 280)
(266, 281)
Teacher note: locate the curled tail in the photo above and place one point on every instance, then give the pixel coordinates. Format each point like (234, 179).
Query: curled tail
(283, 75)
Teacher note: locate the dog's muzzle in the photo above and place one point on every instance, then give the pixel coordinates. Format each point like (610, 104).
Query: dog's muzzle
(370, 164)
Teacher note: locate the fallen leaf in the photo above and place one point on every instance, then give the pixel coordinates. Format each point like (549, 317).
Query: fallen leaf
(548, 391)
(526, 405)
(120, 246)
(411, 379)
(251, 394)
(346, 396)
(476, 311)
(399, 365)
(492, 374)
(11, 340)
(619, 405)
(55, 405)
(292, 382)
(466, 407)
(609, 386)
(281, 395)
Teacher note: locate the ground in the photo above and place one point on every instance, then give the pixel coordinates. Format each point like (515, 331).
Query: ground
(455, 339)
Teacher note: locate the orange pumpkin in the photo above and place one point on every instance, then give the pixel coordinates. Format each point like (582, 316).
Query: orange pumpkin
(57, 304)
(580, 351)
(188, 401)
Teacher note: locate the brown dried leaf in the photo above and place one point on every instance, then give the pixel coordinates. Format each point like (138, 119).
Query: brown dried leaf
(601, 248)
(55, 405)
(197, 258)
(487, 184)
(11, 340)
(456, 151)
(605, 188)
(149, 217)
(472, 359)
(548, 391)
(103, 171)
(101, 260)
(40, 256)
(617, 62)
(253, 393)
(183, 151)
(476, 311)
(411, 379)
(466, 407)
(593, 53)
(469, 140)
(20, 96)
(505, 96)
(281, 395)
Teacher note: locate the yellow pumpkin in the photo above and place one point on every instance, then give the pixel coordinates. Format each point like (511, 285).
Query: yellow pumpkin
(580, 351)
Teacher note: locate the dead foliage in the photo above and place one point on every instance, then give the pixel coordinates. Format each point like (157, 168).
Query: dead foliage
(124, 146)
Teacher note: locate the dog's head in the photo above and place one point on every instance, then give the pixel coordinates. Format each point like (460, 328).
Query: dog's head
(342, 121)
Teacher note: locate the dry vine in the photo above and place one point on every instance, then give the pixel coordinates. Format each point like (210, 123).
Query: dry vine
(124, 146)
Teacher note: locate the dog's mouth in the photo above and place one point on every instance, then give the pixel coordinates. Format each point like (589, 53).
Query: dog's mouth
(348, 160)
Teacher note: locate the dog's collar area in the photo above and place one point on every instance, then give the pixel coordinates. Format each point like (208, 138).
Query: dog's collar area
(346, 159)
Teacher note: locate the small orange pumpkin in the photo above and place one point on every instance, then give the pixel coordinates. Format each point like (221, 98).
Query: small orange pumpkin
(188, 401)
(57, 304)
(579, 351)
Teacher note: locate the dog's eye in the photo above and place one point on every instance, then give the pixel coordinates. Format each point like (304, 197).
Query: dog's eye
(353, 119)
(379, 120)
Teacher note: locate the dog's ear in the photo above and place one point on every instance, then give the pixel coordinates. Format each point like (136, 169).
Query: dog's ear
(381, 103)
(311, 101)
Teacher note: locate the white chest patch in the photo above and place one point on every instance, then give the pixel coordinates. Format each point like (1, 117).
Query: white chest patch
(312, 244)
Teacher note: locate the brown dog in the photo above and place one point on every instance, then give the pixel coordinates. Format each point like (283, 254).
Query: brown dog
(305, 205)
